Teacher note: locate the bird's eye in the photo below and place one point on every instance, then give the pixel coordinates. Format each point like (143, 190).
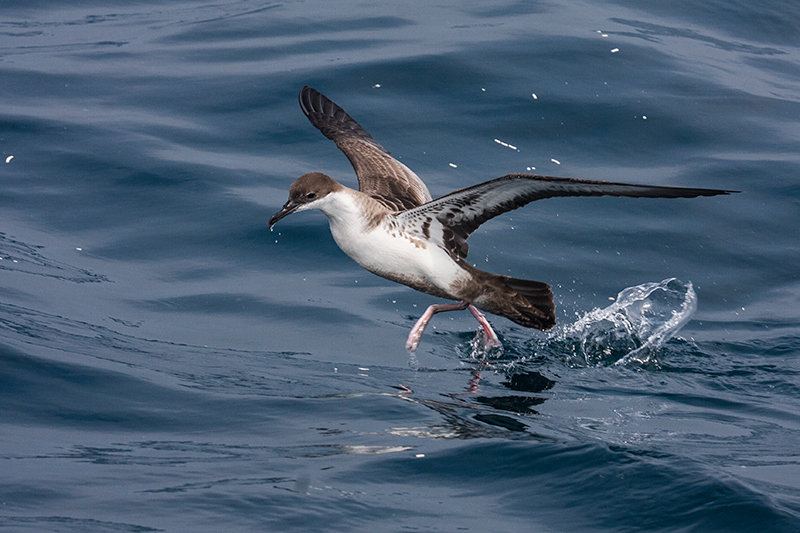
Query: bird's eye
(311, 195)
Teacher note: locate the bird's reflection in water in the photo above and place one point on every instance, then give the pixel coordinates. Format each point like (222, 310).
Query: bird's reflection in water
(464, 422)
(532, 381)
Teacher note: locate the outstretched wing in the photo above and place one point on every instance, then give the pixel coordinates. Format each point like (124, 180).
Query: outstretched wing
(379, 174)
(449, 220)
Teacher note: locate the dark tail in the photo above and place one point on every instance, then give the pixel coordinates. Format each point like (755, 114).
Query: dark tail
(528, 303)
(538, 310)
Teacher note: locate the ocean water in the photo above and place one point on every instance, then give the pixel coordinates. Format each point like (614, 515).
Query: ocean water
(169, 364)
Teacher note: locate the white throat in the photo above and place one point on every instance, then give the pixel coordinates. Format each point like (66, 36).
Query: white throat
(348, 215)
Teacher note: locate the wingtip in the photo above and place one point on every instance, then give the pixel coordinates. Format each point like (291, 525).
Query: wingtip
(313, 102)
(719, 192)
(307, 90)
(304, 97)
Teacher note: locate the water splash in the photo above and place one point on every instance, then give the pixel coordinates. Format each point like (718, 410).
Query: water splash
(481, 348)
(633, 328)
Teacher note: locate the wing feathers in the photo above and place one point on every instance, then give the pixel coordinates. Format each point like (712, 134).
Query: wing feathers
(462, 211)
(379, 174)
(449, 220)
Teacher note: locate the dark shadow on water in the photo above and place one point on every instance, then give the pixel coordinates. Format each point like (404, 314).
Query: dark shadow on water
(502, 421)
(515, 404)
(529, 382)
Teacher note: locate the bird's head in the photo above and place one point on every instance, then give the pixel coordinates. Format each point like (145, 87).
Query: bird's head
(306, 193)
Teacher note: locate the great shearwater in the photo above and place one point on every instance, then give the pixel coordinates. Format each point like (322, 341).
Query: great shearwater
(394, 228)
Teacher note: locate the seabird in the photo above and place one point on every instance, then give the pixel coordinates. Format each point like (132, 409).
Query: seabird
(394, 228)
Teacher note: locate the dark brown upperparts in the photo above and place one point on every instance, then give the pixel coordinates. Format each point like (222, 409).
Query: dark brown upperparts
(462, 211)
(312, 186)
(379, 174)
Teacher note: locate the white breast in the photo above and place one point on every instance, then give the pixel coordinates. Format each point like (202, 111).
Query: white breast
(385, 250)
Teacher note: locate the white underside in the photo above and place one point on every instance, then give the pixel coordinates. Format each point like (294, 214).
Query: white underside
(383, 252)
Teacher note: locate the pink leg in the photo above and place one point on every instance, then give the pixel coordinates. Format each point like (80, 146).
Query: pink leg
(416, 332)
(419, 327)
(491, 337)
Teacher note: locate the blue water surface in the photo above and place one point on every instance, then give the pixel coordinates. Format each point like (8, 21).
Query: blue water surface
(169, 364)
